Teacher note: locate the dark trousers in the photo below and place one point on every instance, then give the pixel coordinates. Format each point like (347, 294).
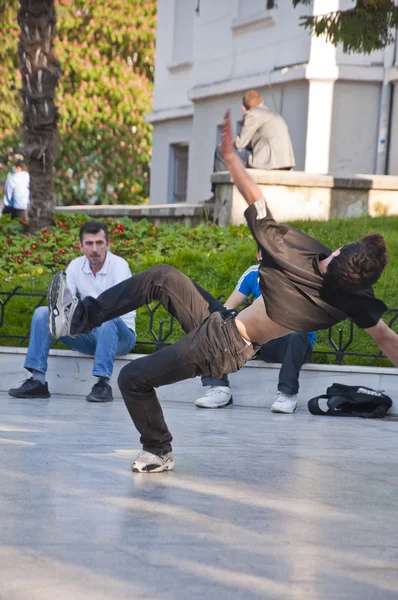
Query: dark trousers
(220, 165)
(212, 346)
(16, 213)
(292, 351)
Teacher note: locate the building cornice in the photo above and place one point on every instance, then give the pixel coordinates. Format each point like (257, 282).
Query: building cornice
(239, 84)
(169, 114)
(290, 73)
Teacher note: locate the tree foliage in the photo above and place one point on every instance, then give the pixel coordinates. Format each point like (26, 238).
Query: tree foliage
(106, 48)
(366, 27)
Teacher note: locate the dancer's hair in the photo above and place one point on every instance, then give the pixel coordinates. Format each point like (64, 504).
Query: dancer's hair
(93, 227)
(359, 265)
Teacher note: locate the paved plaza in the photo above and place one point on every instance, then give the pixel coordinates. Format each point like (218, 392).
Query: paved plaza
(259, 506)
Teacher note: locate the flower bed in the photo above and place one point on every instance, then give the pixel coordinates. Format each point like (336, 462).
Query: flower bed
(215, 257)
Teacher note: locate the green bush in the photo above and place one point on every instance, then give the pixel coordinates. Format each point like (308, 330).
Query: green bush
(215, 257)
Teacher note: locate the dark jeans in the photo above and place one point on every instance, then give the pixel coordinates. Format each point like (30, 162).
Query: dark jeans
(212, 346)
(292, 351)
(16, 213)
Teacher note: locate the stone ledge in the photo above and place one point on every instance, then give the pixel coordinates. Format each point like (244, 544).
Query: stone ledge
(302, 179)
(127, 210)
(295, 195)
(253, 364)
(254, 385)
(189, 214)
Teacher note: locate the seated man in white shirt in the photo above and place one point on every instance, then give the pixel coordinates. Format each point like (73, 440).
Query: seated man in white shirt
(89, 275)
(16, 191)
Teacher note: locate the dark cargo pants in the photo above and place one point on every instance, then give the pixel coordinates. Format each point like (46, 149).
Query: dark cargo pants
(212, 346)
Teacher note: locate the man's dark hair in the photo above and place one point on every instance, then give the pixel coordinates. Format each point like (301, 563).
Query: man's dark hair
(359, 265)
(22, 164)
(93, 227)
(251, 99)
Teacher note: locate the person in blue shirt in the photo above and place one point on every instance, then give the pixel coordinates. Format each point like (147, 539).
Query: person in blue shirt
(292, 351)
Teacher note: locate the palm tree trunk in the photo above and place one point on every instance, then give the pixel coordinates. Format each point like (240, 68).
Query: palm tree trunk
(40, 72)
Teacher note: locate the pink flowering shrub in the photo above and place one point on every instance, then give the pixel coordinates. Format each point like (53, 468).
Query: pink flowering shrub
(106, 49)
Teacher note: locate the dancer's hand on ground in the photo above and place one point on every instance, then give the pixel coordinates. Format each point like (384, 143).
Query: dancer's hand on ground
(227, 143)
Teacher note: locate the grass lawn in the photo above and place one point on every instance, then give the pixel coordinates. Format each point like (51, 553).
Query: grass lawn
(216, 258)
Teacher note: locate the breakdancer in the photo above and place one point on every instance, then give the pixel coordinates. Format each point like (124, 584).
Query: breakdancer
(305, 286)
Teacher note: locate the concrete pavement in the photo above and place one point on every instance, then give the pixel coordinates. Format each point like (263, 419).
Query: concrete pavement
(259, 506)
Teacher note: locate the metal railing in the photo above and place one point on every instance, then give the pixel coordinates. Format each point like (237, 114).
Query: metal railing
(339, 339)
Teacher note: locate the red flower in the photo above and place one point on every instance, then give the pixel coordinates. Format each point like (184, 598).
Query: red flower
(48, 231)
(33, 246)
(44, 239)
(62, 251)
(120, 227)
(19, 259)
(27, 252)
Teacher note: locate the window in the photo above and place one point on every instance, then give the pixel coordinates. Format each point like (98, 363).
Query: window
(218, 135)
(249, 8)
(178, 172)
(184, 14)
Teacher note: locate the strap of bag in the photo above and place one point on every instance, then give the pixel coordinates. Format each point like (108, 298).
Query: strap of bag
(333, 403)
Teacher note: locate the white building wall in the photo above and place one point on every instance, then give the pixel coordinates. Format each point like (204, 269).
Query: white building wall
(173, 72)
(393, 141)
(165, 133)
(210, 51)
(353, 141)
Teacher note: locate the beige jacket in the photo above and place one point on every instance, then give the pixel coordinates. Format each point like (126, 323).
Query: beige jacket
(265, 133)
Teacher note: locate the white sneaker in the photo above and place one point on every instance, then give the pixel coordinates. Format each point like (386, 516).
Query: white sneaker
(284, 404)
(61, 304)
(218, 396)
(151, 463)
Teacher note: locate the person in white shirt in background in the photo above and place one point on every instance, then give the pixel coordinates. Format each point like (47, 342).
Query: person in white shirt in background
(16, 191)
(88, 275)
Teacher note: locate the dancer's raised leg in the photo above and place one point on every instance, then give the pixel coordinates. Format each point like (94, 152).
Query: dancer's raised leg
(183, 299)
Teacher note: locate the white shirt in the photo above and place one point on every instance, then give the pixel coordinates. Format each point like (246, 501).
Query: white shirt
(16, 190)
(80, 278)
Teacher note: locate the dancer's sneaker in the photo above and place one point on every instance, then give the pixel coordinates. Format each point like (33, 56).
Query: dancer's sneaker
(285, 403)
(151, 463)
(31, 388)
(61, 305)
(218, 396)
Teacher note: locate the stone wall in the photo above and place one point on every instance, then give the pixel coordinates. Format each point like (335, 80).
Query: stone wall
(297, 195)
(188, 214)
(254, 385)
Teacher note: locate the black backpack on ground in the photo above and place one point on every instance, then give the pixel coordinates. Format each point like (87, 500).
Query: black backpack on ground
(352, 401)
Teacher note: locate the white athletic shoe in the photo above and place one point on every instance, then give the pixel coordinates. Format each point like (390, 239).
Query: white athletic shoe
(218, 396)
(284, 404)
(61, 304)
(151, 463)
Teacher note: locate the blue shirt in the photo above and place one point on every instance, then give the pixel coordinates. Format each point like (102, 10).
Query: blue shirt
(249, 285)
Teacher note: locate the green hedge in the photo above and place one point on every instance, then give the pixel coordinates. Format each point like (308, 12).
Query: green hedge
(213, 256)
